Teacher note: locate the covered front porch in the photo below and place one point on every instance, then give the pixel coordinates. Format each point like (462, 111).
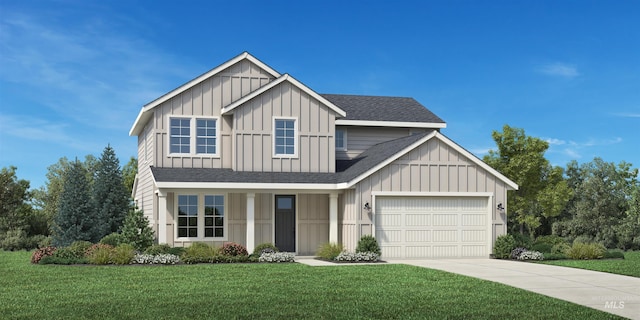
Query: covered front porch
(294, 221)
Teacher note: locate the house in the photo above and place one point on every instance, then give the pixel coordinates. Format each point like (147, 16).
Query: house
(246, 154)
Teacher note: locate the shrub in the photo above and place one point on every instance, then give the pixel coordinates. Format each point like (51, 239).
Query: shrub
(515, 253)
(265, 248)
(542, 247)
(357, 257)
(522, 240)
(229, 259)
(368, 244)
(550, 239)
(41, 253)
(178, 251)
(581, 250)
(14, 240)
(329, 251)
(157, 249)
(233, 249)
(163, 258)
(123, 254)
(114, 239)
(554, 256)
(79, 248)
(503, 246)
(137, 231)
(198, 252)
(275, 257)
(99, 253)
(63, 260)
(531, 255)
(613, 254)
(560, 248)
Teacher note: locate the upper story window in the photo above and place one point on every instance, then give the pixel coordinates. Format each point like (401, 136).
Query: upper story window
(201, 216)
(193, 136)
(341, 139)
(285, 137)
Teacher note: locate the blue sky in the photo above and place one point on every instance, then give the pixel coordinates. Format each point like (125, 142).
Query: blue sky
(74, 74)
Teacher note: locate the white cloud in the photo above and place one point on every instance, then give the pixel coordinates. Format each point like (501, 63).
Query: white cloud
(627, 115)
(480, 151)
(560, 70)
(554, 141)
(37, 129)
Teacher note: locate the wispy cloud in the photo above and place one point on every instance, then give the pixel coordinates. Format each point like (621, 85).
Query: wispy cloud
(574, 149)
(38, 129)
(480, 151)
(554, 141)
(559, 69)
(627, 115)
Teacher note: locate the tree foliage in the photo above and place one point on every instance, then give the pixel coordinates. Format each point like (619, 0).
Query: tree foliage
(542, 192)
(137, 230)
(129, 172)
(14, 195)
(110, 197)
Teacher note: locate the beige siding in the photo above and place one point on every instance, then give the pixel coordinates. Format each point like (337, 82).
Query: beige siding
(206, 98)
(432, 167)
(253, 132)
(263, 218)
(360, 139)
(313, 222)
(144, 197)
(348, 219)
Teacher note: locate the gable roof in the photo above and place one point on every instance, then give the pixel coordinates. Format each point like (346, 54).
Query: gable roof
(292, 81)
(348, 174)
(384, 111)
(145, 113)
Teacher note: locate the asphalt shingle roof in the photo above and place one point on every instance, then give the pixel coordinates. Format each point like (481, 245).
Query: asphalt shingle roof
(379, 108)
(347, 170)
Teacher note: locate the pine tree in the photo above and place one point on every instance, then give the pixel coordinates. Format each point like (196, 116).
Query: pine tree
(76, 218)
(137, 230)
(110, 196)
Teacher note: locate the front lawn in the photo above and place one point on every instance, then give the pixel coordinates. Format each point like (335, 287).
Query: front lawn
(630, 266)
(282, 291)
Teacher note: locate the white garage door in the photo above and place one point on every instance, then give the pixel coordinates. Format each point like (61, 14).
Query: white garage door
(432, 227)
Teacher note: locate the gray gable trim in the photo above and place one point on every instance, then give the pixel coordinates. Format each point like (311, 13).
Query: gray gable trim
(379, 108)
(351, 169)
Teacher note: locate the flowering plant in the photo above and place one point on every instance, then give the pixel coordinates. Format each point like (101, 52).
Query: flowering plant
(233, 249)
(276, 257)
(41, 253)
(163, 258)
(358, 257)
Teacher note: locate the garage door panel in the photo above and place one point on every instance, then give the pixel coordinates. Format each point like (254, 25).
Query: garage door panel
(432, 227)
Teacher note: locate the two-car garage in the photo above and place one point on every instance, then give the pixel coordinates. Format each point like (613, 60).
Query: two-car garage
(433, 226)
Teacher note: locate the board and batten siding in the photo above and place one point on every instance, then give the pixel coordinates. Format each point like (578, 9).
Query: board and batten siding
(431, 167)
(144, 193)
(253, 132)
(313, 222)
(206, 99)
(359, 139)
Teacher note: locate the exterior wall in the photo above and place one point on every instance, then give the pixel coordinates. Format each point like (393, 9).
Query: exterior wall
(348, 216)
(263, 218)
(313, 222)
(359, 139)
(432, 167)
(144, 194)
(206, 99)
(253, 132)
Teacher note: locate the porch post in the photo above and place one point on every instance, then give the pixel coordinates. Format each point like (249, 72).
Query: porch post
(333, 217)
(162, 217)
(251, 229)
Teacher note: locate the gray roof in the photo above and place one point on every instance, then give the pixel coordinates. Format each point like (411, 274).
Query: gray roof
(346, 170)
(378, 108)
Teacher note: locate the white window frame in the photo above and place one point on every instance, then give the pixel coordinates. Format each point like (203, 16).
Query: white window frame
(295, 137)
(344, 139)
(201, 216)
(193, 139)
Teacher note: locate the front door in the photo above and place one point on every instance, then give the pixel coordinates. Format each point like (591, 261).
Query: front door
(286, 223)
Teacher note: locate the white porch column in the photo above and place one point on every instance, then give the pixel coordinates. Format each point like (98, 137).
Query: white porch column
(162, 217)
(251, 223)
(333, 218)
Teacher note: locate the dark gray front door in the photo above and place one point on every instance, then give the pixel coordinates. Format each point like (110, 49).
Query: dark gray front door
(286, 223)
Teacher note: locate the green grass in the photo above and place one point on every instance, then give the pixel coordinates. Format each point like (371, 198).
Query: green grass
(276, 291)
(630, 266)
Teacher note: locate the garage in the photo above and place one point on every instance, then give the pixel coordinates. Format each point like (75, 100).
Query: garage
(433, 227)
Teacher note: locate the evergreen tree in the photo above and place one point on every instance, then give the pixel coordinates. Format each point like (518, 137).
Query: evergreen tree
(76, 218)
(137, 230)
(110, 197)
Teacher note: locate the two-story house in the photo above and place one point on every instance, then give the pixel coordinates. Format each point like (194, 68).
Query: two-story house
(245, 154)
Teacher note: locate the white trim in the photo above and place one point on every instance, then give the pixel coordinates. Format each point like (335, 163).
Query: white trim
(135, 130)
(295, 138)
(429, 194)
(162, 218)
(201, 216)
(290, 79)
(344, 139)
(193, 138)
(333, 217)
(370, 123)
(251, 221)
(251, 186)
(490, 227)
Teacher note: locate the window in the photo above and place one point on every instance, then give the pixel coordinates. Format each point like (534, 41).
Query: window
(201, 216)
(341, 139)
(183, 136)
(285, 137)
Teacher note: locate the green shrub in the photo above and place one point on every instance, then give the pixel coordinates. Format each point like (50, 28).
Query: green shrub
(269, 247)
(581, 251)
(542, 247)
(233, 249)
(560, 248)
(613, 254)
(229, 259)
(137, 231)
(178, 251)
(13, 240)
(123, 254)
(550, 239)
(79, 248)
(157, 249)
(99, 254)
(503, 246)
(329, 251)
(522, 240)
(198, 252)
(368, 243)
(554, 256)
(114, 239)
(61, 260)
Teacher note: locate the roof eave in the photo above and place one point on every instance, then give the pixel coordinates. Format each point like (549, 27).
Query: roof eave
(401, 124)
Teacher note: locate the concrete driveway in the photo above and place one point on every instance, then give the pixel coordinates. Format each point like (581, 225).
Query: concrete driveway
(611, 293)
